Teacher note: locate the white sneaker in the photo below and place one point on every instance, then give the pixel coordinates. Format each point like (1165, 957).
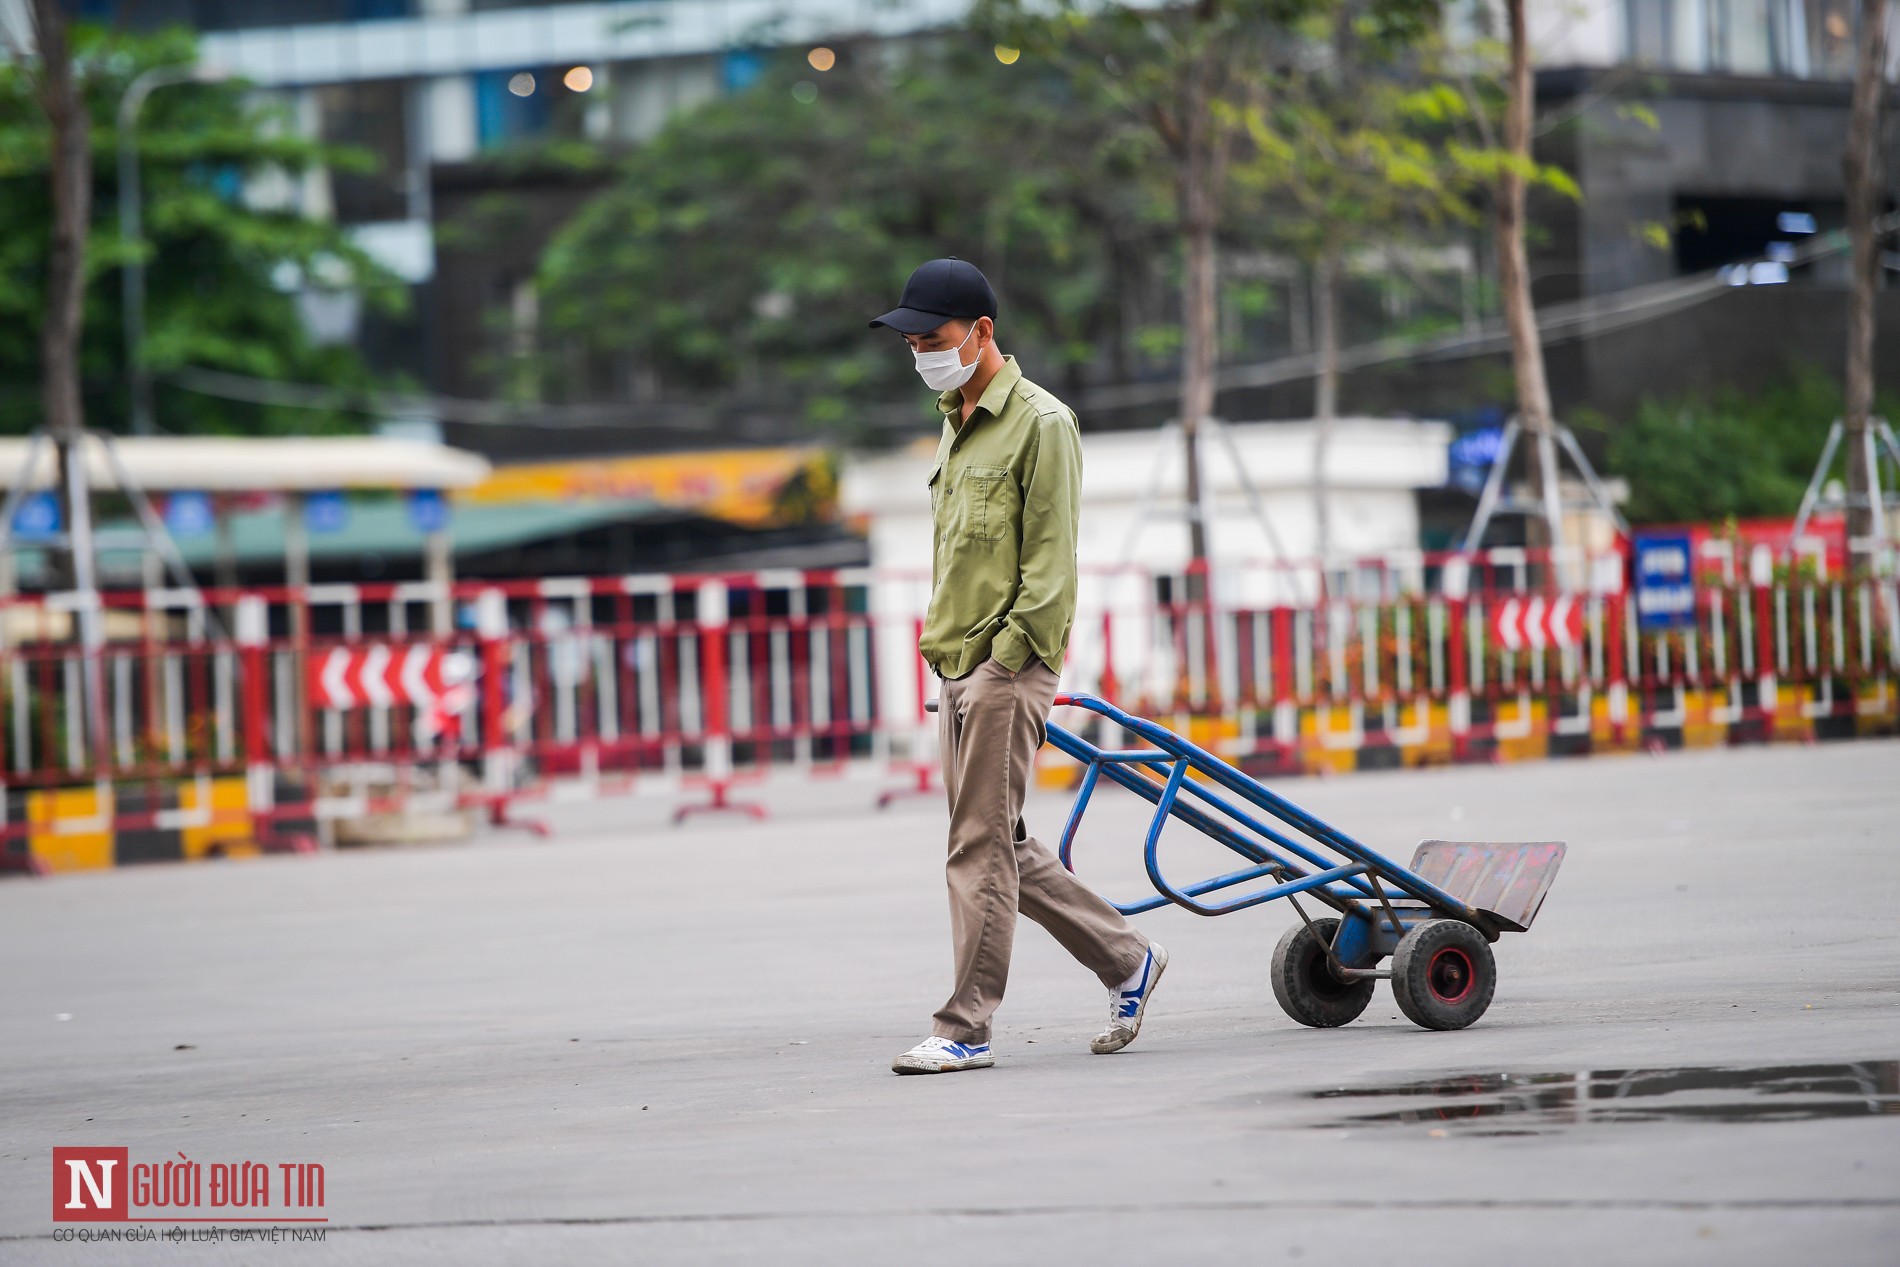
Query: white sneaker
(940, 1055)
(1126, 1005)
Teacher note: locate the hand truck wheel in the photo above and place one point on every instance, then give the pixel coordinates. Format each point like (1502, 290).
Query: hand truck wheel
(1443, 974)
(1304, 983)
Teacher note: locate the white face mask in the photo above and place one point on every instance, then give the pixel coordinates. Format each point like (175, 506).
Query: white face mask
(942, 371)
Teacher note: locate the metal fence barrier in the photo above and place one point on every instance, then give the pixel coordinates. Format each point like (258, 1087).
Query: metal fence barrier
(217, 722)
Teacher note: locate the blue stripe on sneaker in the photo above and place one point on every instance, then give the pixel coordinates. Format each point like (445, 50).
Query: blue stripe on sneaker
(1131, 999)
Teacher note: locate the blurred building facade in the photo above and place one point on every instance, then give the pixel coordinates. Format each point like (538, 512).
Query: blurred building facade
(1734, 153)
(464, 104)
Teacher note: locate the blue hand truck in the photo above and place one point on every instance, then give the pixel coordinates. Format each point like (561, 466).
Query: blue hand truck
(1435, 920)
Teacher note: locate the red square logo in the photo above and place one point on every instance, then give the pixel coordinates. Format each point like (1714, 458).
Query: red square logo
(89, 1185)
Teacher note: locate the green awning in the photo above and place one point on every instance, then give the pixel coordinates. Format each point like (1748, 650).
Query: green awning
(382, 526)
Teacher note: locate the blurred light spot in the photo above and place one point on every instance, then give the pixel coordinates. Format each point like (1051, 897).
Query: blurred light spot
(1771, 273)
(822, 59)
(1780, 252)
(1795, 222)
(522, 85)
(1007, 55)
(774, 305)
(580, 79)
(1837, 26)
(805, 92)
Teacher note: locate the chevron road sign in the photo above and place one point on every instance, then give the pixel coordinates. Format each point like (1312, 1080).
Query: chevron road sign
(1519, 624)
(380, 676)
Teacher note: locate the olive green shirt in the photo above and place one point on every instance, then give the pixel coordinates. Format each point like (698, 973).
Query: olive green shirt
(1005, 495)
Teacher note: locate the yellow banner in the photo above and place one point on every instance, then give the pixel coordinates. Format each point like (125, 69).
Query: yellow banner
(755, 488)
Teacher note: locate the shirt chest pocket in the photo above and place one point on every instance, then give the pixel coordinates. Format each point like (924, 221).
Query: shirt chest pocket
(983, 502)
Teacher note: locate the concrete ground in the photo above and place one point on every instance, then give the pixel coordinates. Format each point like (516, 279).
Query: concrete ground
(634, 1043)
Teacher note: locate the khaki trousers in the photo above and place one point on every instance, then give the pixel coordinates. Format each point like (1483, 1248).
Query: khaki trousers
(991, 722)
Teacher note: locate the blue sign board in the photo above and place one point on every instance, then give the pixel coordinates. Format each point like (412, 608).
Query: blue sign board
(326, 512)
(38, 517)
(188, 515)
(1472, 455)
(1665, 581)
(742, 68)
(428, 510)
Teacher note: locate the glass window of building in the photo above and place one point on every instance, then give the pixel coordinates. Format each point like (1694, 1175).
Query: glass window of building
(532, 103)
(1749, 37)
(646, 94)
(1829, 26)
(1651, 28)
(1807, 38)
(233, 15)
(368, 116)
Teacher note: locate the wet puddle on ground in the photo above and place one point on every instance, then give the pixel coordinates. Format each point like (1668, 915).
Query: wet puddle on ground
(1529, 1103)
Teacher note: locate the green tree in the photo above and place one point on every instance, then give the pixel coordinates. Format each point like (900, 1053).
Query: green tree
(1198, 79)
(1355, 151)
(220, 264)
(1728, 453)
(1188, 76)
(743, 249)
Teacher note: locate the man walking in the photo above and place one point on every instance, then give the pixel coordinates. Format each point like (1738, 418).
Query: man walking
(1004, 496)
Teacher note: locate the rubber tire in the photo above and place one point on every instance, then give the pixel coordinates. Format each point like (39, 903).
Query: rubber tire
(1443, 974)
(1305, 985)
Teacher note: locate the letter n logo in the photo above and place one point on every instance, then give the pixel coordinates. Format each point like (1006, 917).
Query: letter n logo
(89, 1185)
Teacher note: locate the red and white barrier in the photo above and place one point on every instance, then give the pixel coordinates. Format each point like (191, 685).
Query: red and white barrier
(331, 702)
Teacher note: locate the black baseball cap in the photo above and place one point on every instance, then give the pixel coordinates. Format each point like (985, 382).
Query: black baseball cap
(940, 291)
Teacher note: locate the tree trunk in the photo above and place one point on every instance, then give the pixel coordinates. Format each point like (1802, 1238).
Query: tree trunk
(1325, 392)
(1197, 373)
(1199, 202)
(1861, 170)
(70, 170)
(1514, 277)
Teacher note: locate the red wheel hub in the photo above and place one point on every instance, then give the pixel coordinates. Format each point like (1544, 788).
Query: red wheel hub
(1451, 975)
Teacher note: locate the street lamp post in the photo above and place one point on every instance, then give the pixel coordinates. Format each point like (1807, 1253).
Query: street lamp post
(131, 226)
